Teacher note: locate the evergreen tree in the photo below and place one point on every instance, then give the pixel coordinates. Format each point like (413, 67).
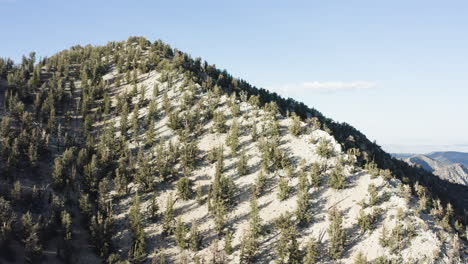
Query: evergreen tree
(312, 252)
(180, 233)
(255, 220)
(242, 163)
(124, 120)
(138, 246)
(195, 237)
(232, 139)
(7, 217)
(295, 127)
(228, 242)
(150, 135)
(32, 246)
(323, 149)
(260, 182)
(287, 248)
(337, 178)
(337, 234)
(316, 174)
(219, 122)
(283, 189)
(372, 195)
(153, 208)
(199, 197)
(168, 216)
(249, 248)
(184, 188)
(303, 205)
(360, 258)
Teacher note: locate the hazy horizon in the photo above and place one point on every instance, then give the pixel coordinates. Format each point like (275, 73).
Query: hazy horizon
(395, 71)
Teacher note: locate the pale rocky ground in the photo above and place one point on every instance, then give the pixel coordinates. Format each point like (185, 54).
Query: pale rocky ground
(422, 248)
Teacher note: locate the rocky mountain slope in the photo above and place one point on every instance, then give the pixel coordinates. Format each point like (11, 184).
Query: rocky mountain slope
(141, 154)
(443, 164)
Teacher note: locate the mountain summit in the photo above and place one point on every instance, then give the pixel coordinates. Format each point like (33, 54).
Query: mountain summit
(134, 152)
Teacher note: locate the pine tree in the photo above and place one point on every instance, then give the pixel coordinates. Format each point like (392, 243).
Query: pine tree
(232, 139)
(184, 188)
(144, 172)
(6, 218)
(124, 120)
(360, 258)
(195, 237)
(372, 195)
(337, 234)
(287, 248)
(254, 132)
(260, 182)
(180, 233)
(323, 149)
(150, 134)
(255, 220)
(295, 127)
(312, 252)
(138, 246)
(228, 242)
(199, 198)
(283, 189)
(242, 163)
(135, 123)
(153, 208)
(337, 178)
(155, 90)
(32, 246)
(303, 205)
(316, 174)
(66, 234)
(168, 216)
(249, 248)
(219, 122)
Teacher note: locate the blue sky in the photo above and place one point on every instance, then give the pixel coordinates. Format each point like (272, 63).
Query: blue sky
(396, 70)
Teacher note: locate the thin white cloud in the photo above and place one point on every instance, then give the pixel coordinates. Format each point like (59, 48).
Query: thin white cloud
(323, 87)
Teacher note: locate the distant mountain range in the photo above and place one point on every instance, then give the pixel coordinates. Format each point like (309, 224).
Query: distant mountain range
(448, 165)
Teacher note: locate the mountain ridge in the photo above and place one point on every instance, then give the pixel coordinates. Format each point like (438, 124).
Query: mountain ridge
(222, 134)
